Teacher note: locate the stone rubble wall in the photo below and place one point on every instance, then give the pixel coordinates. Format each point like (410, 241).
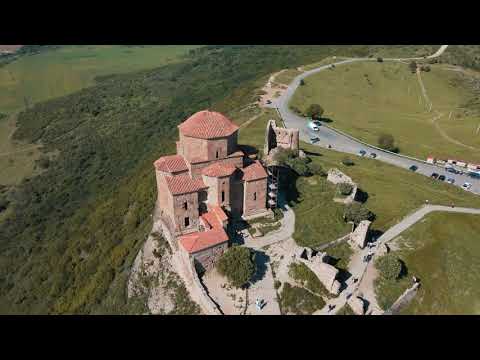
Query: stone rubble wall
(403, 300)
(336, 177)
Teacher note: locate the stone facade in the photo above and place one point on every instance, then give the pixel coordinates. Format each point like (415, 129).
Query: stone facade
(280, 138)
(337, 177)
(208, 176)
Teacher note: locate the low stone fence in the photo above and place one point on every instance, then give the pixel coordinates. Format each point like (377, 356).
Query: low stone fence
(403, 300)
(207, 302)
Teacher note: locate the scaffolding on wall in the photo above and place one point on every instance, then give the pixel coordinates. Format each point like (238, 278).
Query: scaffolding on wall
(272, 187)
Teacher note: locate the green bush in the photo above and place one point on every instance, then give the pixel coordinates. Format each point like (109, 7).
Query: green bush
(389, 266)
(277, 284)
(387, 142)
(316, 169)
(314, 111)
(347, 161)
(345, 188)
(238, 265)
(357, 212)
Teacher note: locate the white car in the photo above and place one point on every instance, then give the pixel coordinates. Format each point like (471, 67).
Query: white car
(467, 186)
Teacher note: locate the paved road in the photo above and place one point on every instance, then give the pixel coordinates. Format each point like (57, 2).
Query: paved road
(344, 143)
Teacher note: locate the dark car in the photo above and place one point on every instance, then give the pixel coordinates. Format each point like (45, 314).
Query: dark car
(373, 155)
(434, 176)
(413, 168)
(314, 140)
(441, 178)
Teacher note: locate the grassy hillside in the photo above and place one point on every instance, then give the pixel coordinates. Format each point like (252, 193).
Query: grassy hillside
(368, 99)
(443, 250)
(391, 198)
(69, 235)
(67, 69)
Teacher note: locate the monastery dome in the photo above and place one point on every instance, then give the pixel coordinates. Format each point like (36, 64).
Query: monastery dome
(207, 124)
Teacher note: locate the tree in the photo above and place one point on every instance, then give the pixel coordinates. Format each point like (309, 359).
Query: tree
(387, 142)
(238, 265)
(300, 166)
(379, 59)
(347, 161)
(314, 111)
(302, 82)
(390, 266)
(283, 155)
(345, 188)
(357, 212)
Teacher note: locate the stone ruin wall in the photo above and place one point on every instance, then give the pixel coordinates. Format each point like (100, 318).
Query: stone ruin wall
(278, 137)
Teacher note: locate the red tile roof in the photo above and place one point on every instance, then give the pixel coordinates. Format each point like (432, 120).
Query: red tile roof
(171, 163)
(207, 125)
(254, 171)
(198, 241)
(214, 217)
(184, 184)
(218, 170)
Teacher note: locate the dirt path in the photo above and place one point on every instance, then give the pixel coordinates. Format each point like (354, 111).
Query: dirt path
(438, 116)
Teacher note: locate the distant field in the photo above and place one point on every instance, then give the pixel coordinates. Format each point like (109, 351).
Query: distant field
(68, 69)
(367, 99)
(443, 250)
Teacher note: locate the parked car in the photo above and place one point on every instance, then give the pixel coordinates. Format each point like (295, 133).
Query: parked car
(269, 101)
(451, 181)
(315, 128)
(434, 176)
(314, 140)
(362, 153)
(467, 186)
(373, 155)
(450, 170)
(413, 168)
(316, 122)
(441, 178)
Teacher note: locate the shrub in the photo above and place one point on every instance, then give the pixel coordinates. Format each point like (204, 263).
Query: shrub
(300, 166)
(302, 82)
(390, 266)
(316, 169)
(44, 162)
(238, 265)
(283, 156)
(357, 212)
(379, 59)
(387, 142)
(277, 284)
(345, 188)
(347, 161)
(314, 111)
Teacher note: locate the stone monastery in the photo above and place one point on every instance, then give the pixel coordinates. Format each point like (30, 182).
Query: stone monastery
(208, 178)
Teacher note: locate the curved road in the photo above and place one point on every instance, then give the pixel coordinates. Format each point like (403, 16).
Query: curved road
(345, 143)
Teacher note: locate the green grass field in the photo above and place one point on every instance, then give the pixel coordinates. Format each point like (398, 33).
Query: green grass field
(443, 250)
(70, 68)
(368, 99)
(57, 73)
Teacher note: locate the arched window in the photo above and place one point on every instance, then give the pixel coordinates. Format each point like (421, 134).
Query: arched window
(254, 196)
(223, 196)
(216, 154)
